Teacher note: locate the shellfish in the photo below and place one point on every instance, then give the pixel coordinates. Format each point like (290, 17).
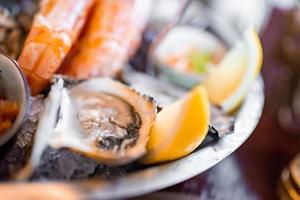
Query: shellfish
(100, 118)
(105, 120)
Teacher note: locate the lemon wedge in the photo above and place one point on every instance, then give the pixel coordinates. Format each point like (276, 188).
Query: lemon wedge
(179, 128)
(229, 81)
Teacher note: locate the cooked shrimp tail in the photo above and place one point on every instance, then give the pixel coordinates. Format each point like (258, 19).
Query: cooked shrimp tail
(56, 27)
(111, 35)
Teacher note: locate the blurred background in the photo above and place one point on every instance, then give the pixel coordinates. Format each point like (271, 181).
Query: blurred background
(257, 169)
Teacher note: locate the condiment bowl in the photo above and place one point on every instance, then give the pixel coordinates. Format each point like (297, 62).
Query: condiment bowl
(13, 87)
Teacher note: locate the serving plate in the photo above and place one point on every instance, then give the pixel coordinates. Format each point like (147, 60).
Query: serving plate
(156, 177)
(153, 178)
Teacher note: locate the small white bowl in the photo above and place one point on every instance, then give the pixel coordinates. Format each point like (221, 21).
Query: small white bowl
(14, 87)
(181, 37)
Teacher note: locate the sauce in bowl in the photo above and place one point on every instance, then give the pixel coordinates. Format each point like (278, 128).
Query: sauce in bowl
(191, 50)
(9, 111)
(187, 54)
(14, 98)
(191, 59)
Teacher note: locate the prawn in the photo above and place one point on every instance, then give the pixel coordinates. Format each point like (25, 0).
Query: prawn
(111, 35)
(55, 28)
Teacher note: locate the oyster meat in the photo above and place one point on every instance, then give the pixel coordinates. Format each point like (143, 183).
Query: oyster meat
(105, 120)
(100, 118)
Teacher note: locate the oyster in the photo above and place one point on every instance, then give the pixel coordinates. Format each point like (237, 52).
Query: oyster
(100, 118)
(105, 120)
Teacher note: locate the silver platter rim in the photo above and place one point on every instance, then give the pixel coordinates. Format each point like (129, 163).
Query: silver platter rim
(165, 175)
(156, 177)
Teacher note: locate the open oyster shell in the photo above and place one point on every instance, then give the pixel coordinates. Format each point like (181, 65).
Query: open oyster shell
(100, 118)
(105, 120)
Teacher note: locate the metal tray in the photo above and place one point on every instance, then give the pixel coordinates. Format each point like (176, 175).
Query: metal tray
(156, 177)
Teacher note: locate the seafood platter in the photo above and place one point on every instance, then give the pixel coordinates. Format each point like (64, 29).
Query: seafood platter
(98, 101)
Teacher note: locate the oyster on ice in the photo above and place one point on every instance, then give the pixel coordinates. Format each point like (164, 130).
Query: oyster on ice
(105, 120)
(100, 118)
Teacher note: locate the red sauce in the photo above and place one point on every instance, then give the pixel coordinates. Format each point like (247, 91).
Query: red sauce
(8, 113)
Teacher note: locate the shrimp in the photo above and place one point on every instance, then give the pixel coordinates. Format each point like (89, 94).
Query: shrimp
(56, 27)
(111, 35)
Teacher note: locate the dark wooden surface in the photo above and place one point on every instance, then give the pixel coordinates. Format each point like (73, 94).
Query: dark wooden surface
(253, 171)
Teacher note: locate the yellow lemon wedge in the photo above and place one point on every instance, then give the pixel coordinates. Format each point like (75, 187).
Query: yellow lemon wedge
(179, 128)
(229, 81)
